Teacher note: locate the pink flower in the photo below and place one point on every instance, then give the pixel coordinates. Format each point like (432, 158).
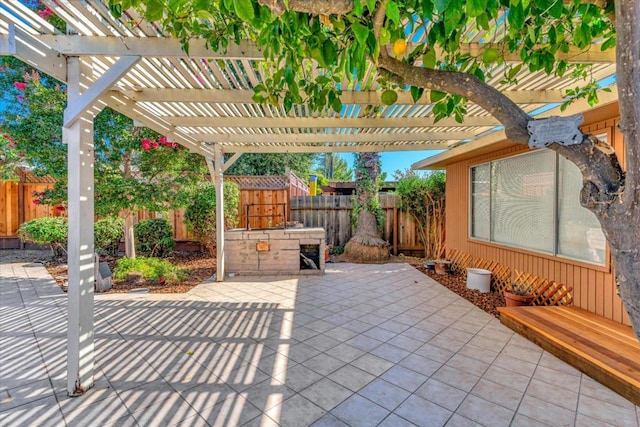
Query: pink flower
(20, 86)
(20, 97)
(36, 201)
(174, 145)
(154, 144)
(146, 144)
(163, 140)
(45, 12)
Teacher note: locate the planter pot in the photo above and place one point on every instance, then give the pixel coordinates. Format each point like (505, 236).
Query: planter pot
(480, 279)
(443, 267)
(513, 300)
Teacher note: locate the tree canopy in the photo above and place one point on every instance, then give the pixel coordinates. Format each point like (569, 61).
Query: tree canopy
(135, 168)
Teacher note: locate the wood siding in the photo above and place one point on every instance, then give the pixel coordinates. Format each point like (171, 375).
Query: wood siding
(593, 286)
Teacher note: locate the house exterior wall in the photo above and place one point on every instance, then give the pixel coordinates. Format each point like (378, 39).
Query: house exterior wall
(593, 286)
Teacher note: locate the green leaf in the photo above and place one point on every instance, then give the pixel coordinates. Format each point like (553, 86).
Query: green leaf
(429, 59)
(476, 7)
(116, 9)
(329, 52)
(371, 5)
(361, 32)
(416, 93)
(389, 97)
(556, 9)
(358, 8)
(436, 95)
(244, 9)
(440, 5)
(516, 16)
(336, 104)
(201, 4)
(483, 21)
(154, 11)
(490, 55)
(385, 36)
(392, 12)
(513, 71)
(608, 43)
(204, 14)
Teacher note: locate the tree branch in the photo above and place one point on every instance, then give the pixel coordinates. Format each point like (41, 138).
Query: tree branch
(470, 87)
(313, 7)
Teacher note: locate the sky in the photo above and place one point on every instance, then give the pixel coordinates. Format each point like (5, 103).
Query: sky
(394, 160)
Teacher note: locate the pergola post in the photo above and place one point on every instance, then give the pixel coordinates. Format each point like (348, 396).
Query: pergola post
(219, 184)
(79, 139)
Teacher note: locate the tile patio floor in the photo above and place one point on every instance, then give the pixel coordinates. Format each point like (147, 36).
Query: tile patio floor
(363, 345)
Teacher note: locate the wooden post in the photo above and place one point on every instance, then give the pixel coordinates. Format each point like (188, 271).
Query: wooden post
(79, 139)
(21, 199)
(219, 184)
(395, 229)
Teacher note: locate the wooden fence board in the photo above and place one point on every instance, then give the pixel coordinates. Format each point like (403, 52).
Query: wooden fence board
(333, 213)
(330, 212)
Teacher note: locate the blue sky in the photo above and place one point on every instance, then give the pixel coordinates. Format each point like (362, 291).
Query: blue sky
(394, 160)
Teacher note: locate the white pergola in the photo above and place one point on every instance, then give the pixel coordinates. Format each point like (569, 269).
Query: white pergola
(203, 101)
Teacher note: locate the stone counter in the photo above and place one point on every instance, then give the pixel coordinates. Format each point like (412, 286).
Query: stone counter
(274, 251)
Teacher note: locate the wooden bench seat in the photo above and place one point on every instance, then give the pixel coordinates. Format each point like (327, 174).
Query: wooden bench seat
(607, 351)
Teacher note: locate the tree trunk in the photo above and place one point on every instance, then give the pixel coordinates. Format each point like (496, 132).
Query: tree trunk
(366, 245)
(129, 240)
(622, 223)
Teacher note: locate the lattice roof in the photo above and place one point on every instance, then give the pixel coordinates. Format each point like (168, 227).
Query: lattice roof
(279, 182)
(205, 98)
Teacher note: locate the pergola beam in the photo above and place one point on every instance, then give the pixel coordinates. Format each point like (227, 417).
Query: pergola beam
(368, 97)
(326, 122)
(165, 47)
(230, 161)
(149, 47)
(335, 148)
(323, 138)
(28, 49)
(74, 111)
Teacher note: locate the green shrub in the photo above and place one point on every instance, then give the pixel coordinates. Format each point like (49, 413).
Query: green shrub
(50, 231)
(150, 268)
(108, 233)
(154, 237)
(337, 250)
(200, 214)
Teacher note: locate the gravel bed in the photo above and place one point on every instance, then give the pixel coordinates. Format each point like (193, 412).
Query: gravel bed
(457, 283)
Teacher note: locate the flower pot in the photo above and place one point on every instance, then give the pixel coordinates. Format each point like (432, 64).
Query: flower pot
(513, 300)
(480, 279)
(443, 266)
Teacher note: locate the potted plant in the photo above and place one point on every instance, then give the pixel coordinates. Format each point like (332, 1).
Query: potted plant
(518, 294)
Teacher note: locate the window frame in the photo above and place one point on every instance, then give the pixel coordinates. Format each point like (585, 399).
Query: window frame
(604, 265)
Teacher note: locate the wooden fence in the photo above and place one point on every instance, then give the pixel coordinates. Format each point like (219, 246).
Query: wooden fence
(17, 207)
(333, 213)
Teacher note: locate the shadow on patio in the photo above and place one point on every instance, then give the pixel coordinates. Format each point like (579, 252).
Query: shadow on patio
(362, 345)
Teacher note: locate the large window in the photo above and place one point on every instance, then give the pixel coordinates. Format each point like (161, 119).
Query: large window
(531, 201)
